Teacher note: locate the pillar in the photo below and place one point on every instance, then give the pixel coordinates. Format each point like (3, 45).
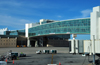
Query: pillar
(72, 46)
(36, 43)
(28, 42)
(8, 37)
(76, 46)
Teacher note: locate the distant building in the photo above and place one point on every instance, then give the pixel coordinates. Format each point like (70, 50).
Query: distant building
(8, 40)
(14, 38)
(3, 30)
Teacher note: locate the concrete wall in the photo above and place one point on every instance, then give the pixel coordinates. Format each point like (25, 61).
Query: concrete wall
(95, 22)
(27, 26)
(8, 42)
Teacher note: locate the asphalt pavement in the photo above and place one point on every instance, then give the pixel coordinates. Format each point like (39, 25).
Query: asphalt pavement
(63, 56)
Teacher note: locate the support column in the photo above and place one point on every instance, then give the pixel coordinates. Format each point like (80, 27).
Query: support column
(8, 37)
(36, 44)
(72, 46)
(28, 42)
(76, 46)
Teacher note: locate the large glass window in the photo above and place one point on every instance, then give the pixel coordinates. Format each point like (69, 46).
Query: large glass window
(72, 26)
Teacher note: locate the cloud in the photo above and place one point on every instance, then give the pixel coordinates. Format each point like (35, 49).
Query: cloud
(13, 8)
(86, 13)
(9, 3)
(59, 16)
(13, 22)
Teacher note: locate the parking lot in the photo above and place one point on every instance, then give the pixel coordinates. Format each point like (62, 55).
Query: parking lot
(32, 58)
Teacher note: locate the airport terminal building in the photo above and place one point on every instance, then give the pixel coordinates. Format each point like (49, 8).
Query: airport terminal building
(51, 32)
(56, 33)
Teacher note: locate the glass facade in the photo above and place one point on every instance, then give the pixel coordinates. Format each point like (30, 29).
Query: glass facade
(59, 36)
(11, 36)
(21, 32)
(47, 21)
(13, 33)
(16, 32)
(75, 26)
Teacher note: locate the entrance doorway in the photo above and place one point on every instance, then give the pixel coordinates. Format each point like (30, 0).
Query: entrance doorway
(32, 43)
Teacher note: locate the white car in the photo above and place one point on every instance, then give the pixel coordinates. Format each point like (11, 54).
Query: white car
(38, 52)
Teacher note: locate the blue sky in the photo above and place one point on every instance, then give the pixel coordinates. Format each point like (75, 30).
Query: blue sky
(15, 13)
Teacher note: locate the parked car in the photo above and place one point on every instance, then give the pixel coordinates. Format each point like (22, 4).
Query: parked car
(22, 54)
(38, 52)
